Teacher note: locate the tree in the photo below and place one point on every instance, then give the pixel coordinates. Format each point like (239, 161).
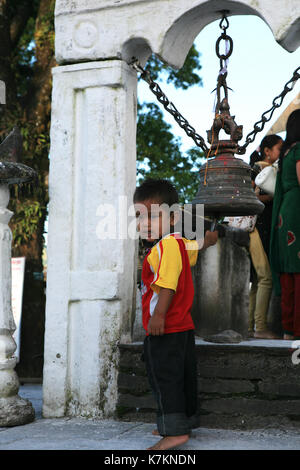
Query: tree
(159, 154)
(26, 60)
(158, 151)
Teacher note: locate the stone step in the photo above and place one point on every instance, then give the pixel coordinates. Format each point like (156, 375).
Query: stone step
(252, 383)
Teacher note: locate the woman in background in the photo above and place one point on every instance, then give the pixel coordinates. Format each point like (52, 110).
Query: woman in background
(261, 277)
(285, 231)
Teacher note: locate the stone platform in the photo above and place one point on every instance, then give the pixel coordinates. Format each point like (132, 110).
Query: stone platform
(114, 437)
(252, 384)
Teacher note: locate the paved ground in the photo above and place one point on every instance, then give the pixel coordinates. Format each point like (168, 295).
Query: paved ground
(109, 435)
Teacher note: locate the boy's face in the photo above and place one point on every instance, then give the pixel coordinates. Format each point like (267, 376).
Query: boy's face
(153, 219)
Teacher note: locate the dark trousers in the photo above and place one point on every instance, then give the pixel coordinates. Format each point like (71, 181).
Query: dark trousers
(172, 372)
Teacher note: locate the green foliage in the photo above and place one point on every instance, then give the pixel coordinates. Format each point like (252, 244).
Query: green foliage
(29, 207)
(30, 58)
(23, 55)
(182, 78)
(159, 153)
(26, 221)
(23, 60)
(45, 32)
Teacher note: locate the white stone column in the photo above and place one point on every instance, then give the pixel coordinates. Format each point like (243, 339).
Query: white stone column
(13, 409)
(90, 282)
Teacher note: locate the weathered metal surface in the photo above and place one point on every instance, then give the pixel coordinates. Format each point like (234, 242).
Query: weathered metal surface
(225, 181)
(11, 171)
(225, 187)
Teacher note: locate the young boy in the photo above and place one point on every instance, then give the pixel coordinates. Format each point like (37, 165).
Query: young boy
(167, 298)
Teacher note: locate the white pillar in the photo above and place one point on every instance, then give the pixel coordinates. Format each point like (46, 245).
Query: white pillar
(13, 409)
(90, 282)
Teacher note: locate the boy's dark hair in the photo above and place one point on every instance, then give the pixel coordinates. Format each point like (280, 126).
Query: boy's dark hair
(159, 189)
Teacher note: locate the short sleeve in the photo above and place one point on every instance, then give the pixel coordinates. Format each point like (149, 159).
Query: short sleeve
(192, 249)
(167, 272)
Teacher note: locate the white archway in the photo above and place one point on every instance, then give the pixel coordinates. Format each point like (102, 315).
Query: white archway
(92, 31)
(180, 36)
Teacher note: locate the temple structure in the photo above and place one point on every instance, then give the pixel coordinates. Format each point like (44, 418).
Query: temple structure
(91, 283)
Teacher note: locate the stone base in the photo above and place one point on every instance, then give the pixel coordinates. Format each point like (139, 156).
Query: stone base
(15, 411)
(221, 282)
(247, 385)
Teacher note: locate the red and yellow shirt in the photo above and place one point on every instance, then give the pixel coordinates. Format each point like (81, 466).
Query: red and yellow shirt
(168, 265)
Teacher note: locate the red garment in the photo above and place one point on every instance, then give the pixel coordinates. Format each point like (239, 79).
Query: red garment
(178, 317)
(290, 303)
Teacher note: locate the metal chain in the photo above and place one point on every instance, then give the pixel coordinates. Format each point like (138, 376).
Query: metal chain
(277, 102)
(184, 124)
(221, 81)
(224, 37)
(169, 106)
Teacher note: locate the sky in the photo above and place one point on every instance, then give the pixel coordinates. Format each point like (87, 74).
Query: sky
(258, 69)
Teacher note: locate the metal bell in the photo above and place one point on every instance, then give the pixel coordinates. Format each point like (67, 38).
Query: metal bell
(225, 181)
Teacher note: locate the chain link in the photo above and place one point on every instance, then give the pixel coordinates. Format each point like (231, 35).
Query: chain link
(277, 102)
(169, 106)
(190, 131)
(224, 20)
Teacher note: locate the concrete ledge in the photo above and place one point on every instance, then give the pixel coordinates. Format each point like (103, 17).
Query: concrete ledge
(245, 385)
(272, 345)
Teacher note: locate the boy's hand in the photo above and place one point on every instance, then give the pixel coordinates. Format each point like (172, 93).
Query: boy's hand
(210, 238)
(156, 325)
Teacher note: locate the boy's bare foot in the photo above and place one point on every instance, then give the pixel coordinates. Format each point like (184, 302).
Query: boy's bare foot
(169, 442)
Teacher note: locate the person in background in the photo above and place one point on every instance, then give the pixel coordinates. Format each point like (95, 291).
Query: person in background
(261, 276)
(285, 230)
